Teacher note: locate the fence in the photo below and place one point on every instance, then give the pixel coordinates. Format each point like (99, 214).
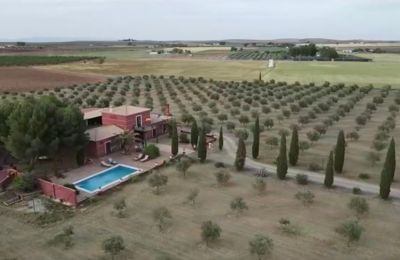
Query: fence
(59, 192)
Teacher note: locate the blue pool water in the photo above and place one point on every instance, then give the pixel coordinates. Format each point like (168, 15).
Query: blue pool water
(105, 178)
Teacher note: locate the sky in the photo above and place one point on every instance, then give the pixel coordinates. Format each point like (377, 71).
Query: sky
(199, 20)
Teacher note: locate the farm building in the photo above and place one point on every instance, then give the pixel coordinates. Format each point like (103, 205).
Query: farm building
(106, 124)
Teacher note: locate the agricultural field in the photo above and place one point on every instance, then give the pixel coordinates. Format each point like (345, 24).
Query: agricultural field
(383, 70)
(16, 79)
(21, 60)
(259, 54)
(366, 114)
(299, 230)
(209, 68)
(215, 64)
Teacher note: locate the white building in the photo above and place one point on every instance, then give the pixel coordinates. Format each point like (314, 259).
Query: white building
(271, 63)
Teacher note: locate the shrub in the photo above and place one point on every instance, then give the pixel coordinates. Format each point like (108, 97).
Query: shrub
(315, 167)
(359, 205)
(261, 246)
(364, 176)
(361, 120)
(238, 205)
(306, 197)
(158, 180)
(183, 138)
(191, 198)
(313, 136)
(25, 183)
(321, 129)
(269, 123)
(162, 216)
(302, 179)
(352, 230)
(230, 126)
(120, 207)
(113, 245)
(210, 231)
(152, 151)
(219, 165)
(64, 238)
(272, 141)
(183, 165)
(242, 133)
(353, 135)
(222, 177)
(288, 228)
(373, 157)
(379, 145)
(284, 132)
(260, 185)
(304, 145)
(356, 191)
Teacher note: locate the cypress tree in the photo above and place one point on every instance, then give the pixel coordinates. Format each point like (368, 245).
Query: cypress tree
(221, 139)
(392, 159)
(387, 173)
(340, 152)
(282, 164)
(256, 139)
(240, 155)
(194, 134)
(174, 139)
(202, 145)
(294, 148)
(329, 172)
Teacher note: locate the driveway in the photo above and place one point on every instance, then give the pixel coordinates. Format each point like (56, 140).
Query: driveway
(230, 148)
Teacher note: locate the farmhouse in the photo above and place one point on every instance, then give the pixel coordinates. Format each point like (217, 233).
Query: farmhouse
(105, 125)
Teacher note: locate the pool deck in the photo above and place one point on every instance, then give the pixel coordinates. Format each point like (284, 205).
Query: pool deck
(87, 170)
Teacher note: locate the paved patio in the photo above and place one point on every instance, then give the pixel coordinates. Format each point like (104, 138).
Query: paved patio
(95, 167)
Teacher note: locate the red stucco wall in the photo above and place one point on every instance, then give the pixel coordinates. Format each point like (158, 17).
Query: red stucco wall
(125, 122)
(57, 191)
(97, 149)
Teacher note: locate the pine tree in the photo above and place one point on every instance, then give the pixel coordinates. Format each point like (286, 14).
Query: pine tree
(387, 173)
(294, 148)
(282, 164)
(340, 152)
(221, 139)
(194, 134)
(174, 139)
(329, 172)
(202, 145)
(240, 155)
(256, 139)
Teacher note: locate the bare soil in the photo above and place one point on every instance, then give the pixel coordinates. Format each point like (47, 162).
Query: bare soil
(35, 78)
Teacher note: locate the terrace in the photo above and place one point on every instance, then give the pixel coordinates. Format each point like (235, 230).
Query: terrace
(87, 170)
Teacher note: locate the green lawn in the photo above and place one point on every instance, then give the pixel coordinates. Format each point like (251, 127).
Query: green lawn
(383, 70)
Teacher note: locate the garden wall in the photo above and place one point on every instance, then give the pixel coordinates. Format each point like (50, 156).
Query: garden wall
(58, 192)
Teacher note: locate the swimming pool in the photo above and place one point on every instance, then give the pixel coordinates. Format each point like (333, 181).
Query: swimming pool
(106, 179)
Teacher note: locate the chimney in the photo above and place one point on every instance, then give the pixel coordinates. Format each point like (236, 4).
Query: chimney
(110, 108)
(167, 110)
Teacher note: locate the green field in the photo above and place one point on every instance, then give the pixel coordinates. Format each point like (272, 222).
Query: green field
(384, 70)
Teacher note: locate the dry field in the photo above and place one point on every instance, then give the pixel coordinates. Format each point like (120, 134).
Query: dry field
(208, 68)
(317, 239)
(33, 78)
